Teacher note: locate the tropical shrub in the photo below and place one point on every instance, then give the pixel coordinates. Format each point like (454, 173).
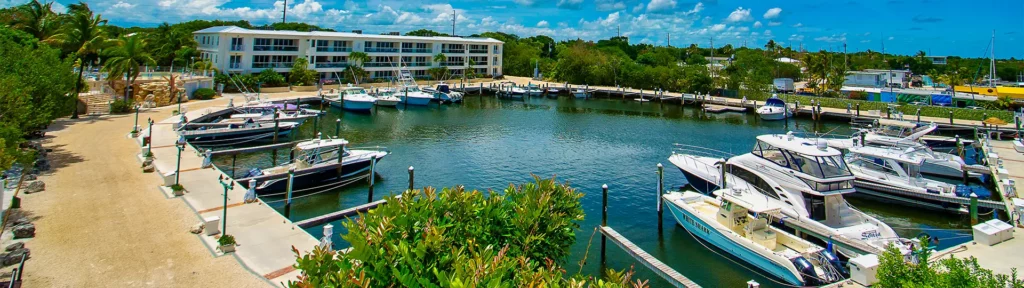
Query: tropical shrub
(908, 110)
(204, 94)
(456, 238)
(270, 78)
(121, 106)
(300, 75)
(893, 271)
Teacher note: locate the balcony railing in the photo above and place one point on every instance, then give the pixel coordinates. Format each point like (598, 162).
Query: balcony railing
(382, 50)
(273, 65)
(453, 51)
(379, 64)
(274, 48)
(333, 49)
(417, 50)
(331, 65)
(238, 47)
(479, 51)
(418, 64)
(454, 64)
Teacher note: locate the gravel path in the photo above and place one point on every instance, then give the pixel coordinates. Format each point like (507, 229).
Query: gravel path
(102, 223)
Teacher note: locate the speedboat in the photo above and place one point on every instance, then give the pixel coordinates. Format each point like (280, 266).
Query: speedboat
(737, 222)
(411, 95)
(221, 133)
(354, 98)
(890, 175)
(806, 178)
(511, 90)
(533, 90)
(774, 109)
(444, 93)
(552, 92)
(316, 168)
(580, 93)
(387, 98)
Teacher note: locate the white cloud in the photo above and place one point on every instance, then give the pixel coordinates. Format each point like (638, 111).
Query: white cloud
(696, 8)
(570, 4)
(773, 23)
(608, 5)
(739, 15)
(717, 27)
(542, 24)
(525, 2)
(891, 38)
(832, 38)
(867, 34)
(772, 13)
(865, 41)
(122, 5)
(757, 24)
(639, 7)
(661, 6)
(798, 25)
(796, 38)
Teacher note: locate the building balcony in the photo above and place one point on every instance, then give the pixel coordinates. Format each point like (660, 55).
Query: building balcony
(332, 65)
(275, 48)
(379, 64)
(418, 64)
(454, 51)
(381, 50)
(453, 64)
(237, 48)
(478, 51)
(417, 50)
(273, 65)
(333, 49)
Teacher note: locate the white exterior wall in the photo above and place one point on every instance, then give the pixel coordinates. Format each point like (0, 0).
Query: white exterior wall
(220, 50)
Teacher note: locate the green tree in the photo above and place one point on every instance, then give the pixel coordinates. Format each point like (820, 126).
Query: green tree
(83, 34)
(441, 59)
(895, 271)
(437, 73)
(37, 18)
(356, 73)
(301, 74)
(359, 58)
(470, 71)
(424, 33)
(270, 78)
(127, 58)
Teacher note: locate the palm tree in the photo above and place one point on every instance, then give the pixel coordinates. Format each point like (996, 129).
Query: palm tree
(920, 55)
(39, 20)
(470, 72)
(771, 46)
(169, 41)
(359, 58)
(84, 35)
(127, 57)
(693, 49)
(440, 58)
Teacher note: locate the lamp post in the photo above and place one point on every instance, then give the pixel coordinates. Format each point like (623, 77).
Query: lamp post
(190, 68)
(177, 170)
(224, 218)
(135, 128)
(180, 93)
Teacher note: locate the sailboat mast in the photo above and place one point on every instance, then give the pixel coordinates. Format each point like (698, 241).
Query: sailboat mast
(992, 61)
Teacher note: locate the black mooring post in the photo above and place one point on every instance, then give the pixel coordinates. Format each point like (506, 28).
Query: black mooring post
(373, 163)
(604, 217)
(661, 187)
(410, 178)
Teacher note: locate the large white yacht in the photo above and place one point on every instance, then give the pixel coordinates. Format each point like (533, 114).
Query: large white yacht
(894, 176)
(807, 179)
(905, 137)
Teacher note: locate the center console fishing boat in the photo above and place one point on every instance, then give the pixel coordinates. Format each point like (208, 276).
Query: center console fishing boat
(319, 165)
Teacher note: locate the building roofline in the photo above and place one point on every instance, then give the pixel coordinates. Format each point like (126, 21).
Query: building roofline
(314, 34)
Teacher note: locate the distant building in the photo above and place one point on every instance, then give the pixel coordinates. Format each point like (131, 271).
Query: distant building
(251, 51)
(788, 60)
(937, 60)
(893, 78)
(865, 79)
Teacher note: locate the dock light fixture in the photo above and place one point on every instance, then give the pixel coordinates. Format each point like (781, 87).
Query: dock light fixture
(135, 128)
(180, 144)
(228, 186)
(180, 94)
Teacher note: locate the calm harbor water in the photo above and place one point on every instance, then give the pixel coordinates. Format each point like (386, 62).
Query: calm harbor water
(488, 143)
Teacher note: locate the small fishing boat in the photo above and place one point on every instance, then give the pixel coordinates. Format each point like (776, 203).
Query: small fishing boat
(774, 109)
(218, 133)
(552, 92)
(737, 222)
(580, 93)
(511, 90)
(387, 98)
(409, 92)
(354, 98)
(442, 92)
(316, 168)
(533, 90)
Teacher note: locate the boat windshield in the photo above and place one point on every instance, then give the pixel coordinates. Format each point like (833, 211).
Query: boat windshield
(822, 167)
(354, 91)
(411, 89)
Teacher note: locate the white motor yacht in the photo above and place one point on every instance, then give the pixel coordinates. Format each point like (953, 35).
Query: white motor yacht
(354, 98)
(905, 137)
(774, 109)
(386, 97)
(580, 93)
(806, 178)
(533, 90)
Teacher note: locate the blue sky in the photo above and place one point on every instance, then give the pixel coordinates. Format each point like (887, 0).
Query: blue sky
(938, 27)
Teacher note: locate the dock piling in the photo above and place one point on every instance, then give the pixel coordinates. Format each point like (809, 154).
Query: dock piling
(411, 177)
(661, 189)
(858, 109)
(234, 157)
(919, 115)
(316, 124)
(951, 117)
(604, 217)
(288, 199)
(974, 209)
(177, 169)
(337, 127)
(373, 164)
(277, 125)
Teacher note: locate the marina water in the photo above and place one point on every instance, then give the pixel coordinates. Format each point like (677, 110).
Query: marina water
(489, 143)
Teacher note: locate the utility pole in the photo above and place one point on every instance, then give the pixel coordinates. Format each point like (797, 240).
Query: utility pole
(453, 22)
(617, 33)
(284, 16)
(992, 61)
(669, 39)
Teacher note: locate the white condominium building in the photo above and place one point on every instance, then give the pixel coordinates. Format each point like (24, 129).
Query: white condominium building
(237, 50)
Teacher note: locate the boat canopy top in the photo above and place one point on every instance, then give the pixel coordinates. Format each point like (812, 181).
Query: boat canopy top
(756, 203)
(443, 88)
(888, 153)
(775, 102)
(352, 90)
(800, 145)
(800, 154)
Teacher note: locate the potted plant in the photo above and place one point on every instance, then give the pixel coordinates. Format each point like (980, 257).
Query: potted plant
(149, 155)
(178, 189)
(227, 243)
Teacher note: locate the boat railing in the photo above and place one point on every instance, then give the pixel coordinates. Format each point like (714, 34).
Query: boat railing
(700, 151)
(816, 135)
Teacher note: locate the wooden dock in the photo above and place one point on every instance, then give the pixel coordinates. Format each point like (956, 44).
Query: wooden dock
(330, 217)
(670, 275)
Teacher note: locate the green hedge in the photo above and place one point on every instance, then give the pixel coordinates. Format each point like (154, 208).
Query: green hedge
(930, 111)
(204, 94)
(121, 107)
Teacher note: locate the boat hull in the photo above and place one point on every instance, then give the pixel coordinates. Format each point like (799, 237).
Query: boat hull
(773, 116)
(415, 101)
(702, 185)
(709, 233)
(387, 103)
(315, 181)
(362, 106)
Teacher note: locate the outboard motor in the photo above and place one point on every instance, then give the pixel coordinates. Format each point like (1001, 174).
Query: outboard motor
(834, 262)
(807, 272)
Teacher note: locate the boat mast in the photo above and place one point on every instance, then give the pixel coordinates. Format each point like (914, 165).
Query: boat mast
(992, 61)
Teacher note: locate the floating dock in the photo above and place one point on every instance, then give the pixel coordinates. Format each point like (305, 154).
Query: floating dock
(675, 278)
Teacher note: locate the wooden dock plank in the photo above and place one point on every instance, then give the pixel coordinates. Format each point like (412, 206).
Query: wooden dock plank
(339, 214)
(669, 274)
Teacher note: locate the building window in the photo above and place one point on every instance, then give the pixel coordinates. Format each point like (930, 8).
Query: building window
(272, 61)
(266, 44)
